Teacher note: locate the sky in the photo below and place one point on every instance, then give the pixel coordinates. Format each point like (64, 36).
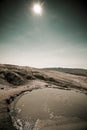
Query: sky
(57, 38)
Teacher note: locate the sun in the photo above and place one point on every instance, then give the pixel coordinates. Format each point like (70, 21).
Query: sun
(37, 8)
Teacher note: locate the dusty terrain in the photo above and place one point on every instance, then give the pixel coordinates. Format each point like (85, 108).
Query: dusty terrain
(15, 80)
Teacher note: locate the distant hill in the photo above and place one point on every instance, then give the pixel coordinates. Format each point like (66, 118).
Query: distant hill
(81, 72)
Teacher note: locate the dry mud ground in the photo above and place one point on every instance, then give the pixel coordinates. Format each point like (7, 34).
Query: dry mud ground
(14, 80)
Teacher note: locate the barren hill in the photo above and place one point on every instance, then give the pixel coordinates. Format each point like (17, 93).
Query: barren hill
(12, 75)
(75, 71)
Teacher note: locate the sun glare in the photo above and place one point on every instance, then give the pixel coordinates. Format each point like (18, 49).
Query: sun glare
(37, 9)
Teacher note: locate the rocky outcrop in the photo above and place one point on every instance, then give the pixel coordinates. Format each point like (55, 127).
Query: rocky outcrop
(12, 77)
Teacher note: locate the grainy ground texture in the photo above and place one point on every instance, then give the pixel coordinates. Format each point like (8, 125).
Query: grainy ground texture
(14, 80)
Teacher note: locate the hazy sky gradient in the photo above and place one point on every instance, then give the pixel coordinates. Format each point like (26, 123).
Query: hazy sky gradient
(58, 38)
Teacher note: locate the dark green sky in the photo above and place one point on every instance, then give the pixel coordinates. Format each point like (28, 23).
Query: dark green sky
(58, 38)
